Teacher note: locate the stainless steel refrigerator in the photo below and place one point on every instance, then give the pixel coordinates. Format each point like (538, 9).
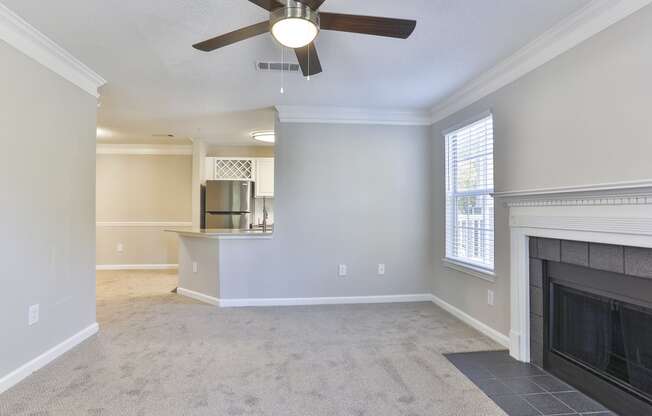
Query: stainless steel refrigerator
(228, 204)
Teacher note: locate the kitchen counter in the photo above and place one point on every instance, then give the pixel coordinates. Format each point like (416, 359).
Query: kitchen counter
(223, 233)
(214, 261)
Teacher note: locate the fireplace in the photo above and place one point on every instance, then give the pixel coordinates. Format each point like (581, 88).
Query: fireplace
(591, 322)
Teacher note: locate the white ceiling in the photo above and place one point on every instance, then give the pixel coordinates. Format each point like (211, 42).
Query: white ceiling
(157, 83)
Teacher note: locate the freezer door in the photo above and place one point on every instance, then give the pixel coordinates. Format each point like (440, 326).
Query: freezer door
(230, 221)
(228, 196)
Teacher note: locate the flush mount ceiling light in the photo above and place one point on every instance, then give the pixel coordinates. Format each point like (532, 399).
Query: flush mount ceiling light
(294, 26)
(264, 136)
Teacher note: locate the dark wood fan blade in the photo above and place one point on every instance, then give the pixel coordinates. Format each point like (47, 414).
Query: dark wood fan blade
(308, 60)
(368, 25)
(233, 37)
(313, 4)
(267, 4)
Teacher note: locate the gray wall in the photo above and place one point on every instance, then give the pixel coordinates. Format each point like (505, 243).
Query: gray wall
(141, 188)
(583, 118)
(353, 194)
(47, 232)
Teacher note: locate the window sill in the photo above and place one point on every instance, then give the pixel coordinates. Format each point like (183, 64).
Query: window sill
(469, 269)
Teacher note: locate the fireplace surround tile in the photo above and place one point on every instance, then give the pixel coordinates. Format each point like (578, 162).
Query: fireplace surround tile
(534, 244)
(536, 272)
(549, 249)
(536, 328)
(575, 252)
(638, 261)
(607, 257)
(536, 301)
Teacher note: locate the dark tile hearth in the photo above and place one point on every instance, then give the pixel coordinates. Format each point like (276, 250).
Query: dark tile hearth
(523, 389)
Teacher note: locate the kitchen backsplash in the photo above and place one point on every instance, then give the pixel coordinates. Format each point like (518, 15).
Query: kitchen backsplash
(258, 210)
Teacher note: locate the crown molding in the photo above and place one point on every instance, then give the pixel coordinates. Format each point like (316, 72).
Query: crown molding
(25, 38)
(609, 194)
(143, 149)
(565, 35)
(632, 187)
(351, 115)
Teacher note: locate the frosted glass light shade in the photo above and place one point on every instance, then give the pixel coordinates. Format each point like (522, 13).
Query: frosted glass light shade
(294, 32)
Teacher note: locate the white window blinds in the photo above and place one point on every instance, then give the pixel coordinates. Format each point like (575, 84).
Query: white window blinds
(469, 204)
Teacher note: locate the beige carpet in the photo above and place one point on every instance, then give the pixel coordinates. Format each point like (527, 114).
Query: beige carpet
(161, 354)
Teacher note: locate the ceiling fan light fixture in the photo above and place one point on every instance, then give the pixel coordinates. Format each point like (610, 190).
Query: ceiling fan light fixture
(294, 27)
(264, 136)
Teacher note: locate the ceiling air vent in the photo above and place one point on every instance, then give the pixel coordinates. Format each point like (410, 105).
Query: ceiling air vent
(277, 67)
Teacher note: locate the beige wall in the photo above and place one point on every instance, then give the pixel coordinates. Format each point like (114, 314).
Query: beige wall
(142, 189)
(47, 192)
(583, 118)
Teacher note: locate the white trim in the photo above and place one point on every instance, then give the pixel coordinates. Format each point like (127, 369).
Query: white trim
(198, 296)
(143, 224)
(472, 322)
(570, 32)
(345, 300)
(22, 372)
(143, 149)
(350, 115)
(136, 266)
(634, 186)
(24, 37)
(469, 269)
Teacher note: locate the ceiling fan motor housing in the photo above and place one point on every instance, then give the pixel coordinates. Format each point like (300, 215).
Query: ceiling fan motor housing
(294, 10)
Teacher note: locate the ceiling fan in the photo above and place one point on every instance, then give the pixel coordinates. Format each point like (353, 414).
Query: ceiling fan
(296, 23)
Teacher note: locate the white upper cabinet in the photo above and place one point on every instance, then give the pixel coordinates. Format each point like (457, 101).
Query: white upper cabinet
(230, 169)
(264, 177)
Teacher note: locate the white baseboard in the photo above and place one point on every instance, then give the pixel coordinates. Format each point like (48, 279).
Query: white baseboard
(236, 303)
(231, 303)
(198, 296)
(136, 267)
(472, 322)
(16, 376)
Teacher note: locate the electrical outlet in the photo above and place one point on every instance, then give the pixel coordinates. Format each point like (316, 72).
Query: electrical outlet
(381, 269)
(120, 248)
(490, 297)
(33, 314)
(195, 267)
(342, 270)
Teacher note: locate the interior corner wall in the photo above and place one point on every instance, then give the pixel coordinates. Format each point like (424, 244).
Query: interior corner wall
(344, 194)
(581, 119)
(47, 232)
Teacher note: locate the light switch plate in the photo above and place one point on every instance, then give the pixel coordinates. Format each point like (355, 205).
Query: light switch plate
(342, 270)
(33, 314)
(490, 297)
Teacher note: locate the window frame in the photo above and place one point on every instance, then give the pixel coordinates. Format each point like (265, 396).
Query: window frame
(456, 263)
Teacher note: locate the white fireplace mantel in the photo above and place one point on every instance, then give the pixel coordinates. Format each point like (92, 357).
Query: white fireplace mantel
(617, 214)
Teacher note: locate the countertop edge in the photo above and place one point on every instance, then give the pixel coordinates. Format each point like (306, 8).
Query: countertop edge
(223, 236)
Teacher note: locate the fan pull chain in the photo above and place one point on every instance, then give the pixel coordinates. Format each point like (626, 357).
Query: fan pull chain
(309, 45)
(282, 69)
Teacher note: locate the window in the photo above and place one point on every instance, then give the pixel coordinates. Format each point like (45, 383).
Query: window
(469, 204)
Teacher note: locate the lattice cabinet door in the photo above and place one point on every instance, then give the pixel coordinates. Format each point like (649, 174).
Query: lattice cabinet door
(234, 169)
